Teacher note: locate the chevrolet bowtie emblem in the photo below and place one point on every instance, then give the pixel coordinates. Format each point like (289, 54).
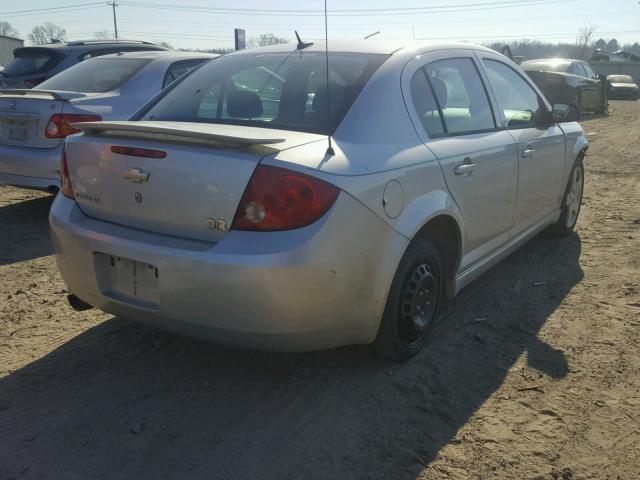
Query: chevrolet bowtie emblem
(136, 175)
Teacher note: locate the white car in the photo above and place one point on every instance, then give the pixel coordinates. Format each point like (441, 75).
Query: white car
(223, 213)
(34, 123)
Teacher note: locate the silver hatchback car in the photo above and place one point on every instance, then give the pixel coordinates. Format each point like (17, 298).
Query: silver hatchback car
(223, 213)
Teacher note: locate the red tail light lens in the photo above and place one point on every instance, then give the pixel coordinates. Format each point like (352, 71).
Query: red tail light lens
(59, 125)
(65, 181)
(281, 199)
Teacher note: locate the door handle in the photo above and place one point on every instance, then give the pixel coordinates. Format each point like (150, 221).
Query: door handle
(528, 152)
(466, 167)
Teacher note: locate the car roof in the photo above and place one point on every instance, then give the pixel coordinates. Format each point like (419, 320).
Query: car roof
(387, 47)
(153, 54)
(95, 43)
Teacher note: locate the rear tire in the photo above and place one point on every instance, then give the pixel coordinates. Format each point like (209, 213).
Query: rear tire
(571, 202)
(604, 107)
(413, 303)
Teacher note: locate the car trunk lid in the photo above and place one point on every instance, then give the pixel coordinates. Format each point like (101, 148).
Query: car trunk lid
(181, 179)
(25, 114)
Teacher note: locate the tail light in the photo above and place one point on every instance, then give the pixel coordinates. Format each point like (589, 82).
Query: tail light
(65, 181)
(59, 125)
(34, 81)
(138, 152)
(281, 199)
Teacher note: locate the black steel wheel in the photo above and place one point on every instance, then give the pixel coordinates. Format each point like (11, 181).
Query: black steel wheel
(571, 202)
(412, 304)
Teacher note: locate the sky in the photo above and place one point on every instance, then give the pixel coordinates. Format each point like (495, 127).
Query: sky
(210, 23)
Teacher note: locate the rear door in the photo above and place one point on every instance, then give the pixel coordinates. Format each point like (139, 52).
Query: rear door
(454, 116)
(592, 87)
(540, 145)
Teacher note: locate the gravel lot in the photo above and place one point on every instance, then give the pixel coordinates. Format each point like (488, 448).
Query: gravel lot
(534, 374)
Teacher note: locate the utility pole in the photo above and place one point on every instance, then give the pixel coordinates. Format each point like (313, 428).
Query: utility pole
(115, 21)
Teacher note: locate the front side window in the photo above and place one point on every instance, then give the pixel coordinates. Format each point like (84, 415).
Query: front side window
(96, 75)
(518, 102)
(286, 90)
(461, 96)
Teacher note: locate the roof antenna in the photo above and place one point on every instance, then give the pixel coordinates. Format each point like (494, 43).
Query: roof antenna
(302, 45)
(372, 34)
(330, 151)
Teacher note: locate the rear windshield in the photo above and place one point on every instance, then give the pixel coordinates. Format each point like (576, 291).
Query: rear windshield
(31, 61)
(620, 79)
(96, 75)
(286, 90)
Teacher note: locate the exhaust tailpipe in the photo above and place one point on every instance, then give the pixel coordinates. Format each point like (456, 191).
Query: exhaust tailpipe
(77, 304)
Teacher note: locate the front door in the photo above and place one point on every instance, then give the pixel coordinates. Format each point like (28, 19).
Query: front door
(540, 143)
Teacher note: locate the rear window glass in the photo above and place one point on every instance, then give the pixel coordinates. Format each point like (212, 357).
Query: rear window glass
(32, 61)
(620, 79)
(286, 90)
(97, 75)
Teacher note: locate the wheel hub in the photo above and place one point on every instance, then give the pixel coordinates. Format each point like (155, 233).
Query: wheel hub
(419, 302)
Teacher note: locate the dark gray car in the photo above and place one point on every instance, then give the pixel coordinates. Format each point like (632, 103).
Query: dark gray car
(33, 65)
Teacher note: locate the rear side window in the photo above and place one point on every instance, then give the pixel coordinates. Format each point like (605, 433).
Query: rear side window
(425, 104)
(518, 102)
(461, 96)
(98, 75)
(177, 69)
(590, 73)
(31, 61)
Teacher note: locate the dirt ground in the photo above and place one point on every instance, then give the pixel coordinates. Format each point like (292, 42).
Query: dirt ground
(534, 372)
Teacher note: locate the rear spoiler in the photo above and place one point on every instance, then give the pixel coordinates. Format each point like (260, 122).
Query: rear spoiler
(54, 94)
(228, 135)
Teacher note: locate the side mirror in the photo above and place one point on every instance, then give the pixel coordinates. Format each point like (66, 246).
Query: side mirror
(563, 112)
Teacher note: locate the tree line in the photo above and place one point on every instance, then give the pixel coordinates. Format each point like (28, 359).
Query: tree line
(582, 48)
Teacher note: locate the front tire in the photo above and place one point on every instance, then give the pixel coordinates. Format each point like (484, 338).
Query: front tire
(413, 303)
(571, 201)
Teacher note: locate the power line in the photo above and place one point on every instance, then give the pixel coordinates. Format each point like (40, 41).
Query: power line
(52, 8)
(101, 5)
(462, 7)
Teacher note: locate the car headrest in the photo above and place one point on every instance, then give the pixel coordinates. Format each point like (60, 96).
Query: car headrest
(319, 103)
(244, 104)
(440, 89)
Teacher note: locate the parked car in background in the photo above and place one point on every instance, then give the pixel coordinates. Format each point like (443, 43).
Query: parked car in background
(33, 65)
(569, 81)
(221, 212)
(617, 56)
(622, 87)
(34, 123)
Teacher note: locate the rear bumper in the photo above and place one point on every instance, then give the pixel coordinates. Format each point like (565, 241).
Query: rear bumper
(30, 167)
(318, 287)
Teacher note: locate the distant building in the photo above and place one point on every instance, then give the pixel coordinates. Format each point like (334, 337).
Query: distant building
(7, 46)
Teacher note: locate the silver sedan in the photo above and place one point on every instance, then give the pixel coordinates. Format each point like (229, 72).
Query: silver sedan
(267, 203)
(34, 123)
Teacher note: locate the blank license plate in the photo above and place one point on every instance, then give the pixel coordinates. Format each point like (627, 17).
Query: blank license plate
(128, 280)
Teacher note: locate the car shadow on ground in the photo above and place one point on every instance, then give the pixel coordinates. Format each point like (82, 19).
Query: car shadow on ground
(122, 400)
(24, 230)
